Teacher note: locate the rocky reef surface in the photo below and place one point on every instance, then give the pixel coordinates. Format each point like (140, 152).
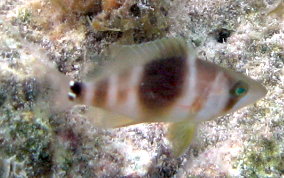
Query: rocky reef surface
(246, 36)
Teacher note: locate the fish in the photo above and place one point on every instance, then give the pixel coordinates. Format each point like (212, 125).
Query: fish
(161, 81)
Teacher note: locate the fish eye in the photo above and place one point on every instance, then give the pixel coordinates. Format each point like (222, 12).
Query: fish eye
(239, 89)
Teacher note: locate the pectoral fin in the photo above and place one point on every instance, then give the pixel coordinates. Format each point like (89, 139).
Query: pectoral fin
(180, 134)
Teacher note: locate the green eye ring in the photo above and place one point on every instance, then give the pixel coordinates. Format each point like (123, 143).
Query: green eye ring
(239, 89)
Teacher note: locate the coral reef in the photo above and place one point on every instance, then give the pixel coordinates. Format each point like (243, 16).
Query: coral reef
(137, 21)
(263, 159)
(35, 141)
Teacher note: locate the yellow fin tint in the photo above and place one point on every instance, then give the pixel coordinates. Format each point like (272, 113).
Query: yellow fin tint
(180, 134)
(105, 119)
(125, 57)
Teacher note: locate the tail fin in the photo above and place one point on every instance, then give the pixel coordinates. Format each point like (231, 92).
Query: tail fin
(53, 84)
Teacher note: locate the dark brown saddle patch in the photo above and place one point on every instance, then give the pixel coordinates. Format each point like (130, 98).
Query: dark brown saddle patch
(162, 82)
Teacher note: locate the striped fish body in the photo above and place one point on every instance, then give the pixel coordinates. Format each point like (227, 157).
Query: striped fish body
(164, 81)
(159, 81)
(167, 84)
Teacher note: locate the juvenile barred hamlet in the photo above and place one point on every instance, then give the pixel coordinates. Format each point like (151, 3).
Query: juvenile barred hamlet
(161, 81)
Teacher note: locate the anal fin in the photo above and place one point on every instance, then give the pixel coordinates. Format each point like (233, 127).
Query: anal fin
(181, 134)
(106, 119)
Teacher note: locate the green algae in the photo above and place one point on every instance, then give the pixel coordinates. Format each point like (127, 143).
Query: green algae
(3, 98)
(29, 138)
(29, 142)
(24, 135)
(263, 159)
(25, 15)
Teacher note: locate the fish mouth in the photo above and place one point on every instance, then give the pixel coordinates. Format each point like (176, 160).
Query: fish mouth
(258, 91)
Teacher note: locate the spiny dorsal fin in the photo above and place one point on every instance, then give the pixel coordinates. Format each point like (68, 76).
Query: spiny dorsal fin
(125, 57)
(181, 134)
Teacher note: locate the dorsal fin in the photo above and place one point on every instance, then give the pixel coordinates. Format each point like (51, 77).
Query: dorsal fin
(128, 56)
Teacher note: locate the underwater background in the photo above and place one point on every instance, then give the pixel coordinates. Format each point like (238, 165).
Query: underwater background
(245, 36)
